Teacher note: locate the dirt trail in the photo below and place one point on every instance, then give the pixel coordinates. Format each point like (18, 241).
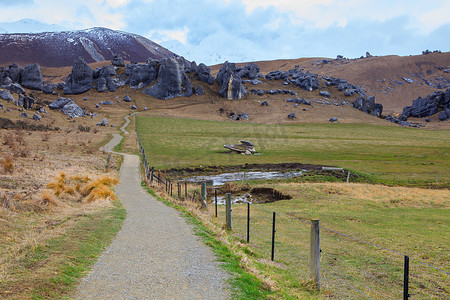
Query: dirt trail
(156, 255)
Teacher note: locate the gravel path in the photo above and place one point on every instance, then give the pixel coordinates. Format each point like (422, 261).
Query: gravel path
(156, 255)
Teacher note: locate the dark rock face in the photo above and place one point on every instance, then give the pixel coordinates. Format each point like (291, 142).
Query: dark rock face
(6, 95)
(31, 77)
(118, 61)
(203, 74)
(100, 85)
(81, 78)
(430, 105)
(250, 71)
(307, 82)
(368, 105)
(230, 82)
(142, 74)
(172, 81)
(59, 103)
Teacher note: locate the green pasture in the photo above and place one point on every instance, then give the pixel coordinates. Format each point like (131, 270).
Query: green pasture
(389, 150)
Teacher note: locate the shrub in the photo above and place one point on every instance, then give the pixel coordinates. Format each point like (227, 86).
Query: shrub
(7, 163)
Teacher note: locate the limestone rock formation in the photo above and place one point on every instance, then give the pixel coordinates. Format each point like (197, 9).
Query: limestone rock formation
(142, 74)
(172, 81)
(118, 61)
(368, 105)
(31, 77)
(203, 74)
(81, 78)
(230, 82)
(430, 105)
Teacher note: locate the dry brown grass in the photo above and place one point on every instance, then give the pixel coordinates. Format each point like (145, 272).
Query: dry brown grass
(7, 163)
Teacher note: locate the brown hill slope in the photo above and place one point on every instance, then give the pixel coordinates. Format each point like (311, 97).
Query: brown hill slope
(379, 76)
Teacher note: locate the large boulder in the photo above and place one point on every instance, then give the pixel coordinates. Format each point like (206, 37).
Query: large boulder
(26, 102)
(73, 110)
(442, 116)
(230, 82)
(368, 105)
(172, 81)
(307, 82)
(203, 74)
(15, 88)
(118, 61)
(81, 78)
(6, 95)
(59, 103)
(32, 78)
(142, 74)
(48, 88)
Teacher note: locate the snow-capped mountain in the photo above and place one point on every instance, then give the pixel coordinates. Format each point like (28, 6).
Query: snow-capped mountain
(29, 26)
(56, 49)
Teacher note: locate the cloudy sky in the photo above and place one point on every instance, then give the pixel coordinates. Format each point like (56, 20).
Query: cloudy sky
(213, 31)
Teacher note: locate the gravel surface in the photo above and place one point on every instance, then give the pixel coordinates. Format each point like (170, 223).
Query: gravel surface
(156, 255)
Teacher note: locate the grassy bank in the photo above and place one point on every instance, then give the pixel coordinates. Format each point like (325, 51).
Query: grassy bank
(385, 151)
(53, 269)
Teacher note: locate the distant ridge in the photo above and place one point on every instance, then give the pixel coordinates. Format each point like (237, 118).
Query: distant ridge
(58, 49)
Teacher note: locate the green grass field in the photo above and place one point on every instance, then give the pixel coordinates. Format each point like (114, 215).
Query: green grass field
(174, 143)
(407, 220)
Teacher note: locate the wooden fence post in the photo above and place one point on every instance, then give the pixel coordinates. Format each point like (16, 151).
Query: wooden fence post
(315, 253)
(228, 211)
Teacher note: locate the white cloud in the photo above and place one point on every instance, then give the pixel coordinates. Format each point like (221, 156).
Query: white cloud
(159, 35)
(117, 3)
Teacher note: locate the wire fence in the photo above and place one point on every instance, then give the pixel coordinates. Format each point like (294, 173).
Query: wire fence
(350, 268)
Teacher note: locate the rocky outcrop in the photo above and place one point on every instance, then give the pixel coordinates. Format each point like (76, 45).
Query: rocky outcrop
(118, 61)
(12, 71)
(203, 74)
(105, 80)
(59, 103)
(73, 110)
(430, 105)
(250, 71)
(172, 81)
(142, 74)
(81, 78)
(31, 77)
(230, 82)
(368, 105)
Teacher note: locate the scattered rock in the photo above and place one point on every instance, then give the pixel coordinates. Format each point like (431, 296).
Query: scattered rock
(145, 108)
(442, 116)
(31, 77)
(265, 103)
(199, 91)
(172, 81)
(299, 101)
(15, 88)
(97, 106)
(291, 116)
(48, 89)
(73, 110)
(237, 117)
(245, 147)
(133, 107)
(37, 117)
(325, 94)
(427, 120)
(257, 92)
(6, 95)
(333, 120)
(407, 80)
(104, 122)
(127, 98)
(59, 103)
(108, 102)
(24, 115)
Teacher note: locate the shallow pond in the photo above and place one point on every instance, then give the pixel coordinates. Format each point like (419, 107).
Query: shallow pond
(220, 179)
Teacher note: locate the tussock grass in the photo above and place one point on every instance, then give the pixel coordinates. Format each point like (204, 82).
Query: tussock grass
(7, 163)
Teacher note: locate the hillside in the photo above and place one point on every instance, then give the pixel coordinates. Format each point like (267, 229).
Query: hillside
(381, 76)
(58, 49)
